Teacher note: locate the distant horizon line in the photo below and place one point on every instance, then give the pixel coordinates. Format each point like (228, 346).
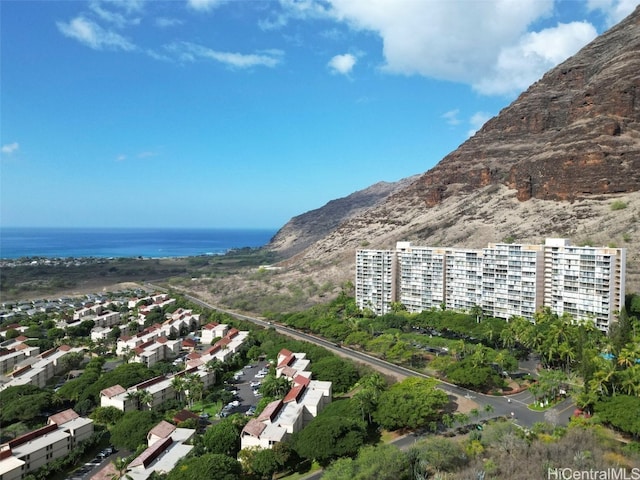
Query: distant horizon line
(33, 227)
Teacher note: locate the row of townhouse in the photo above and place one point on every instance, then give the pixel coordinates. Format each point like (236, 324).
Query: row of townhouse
(282, 418)
(504, 279)
(38, 370)
(177, 323)
(229, 342)
(159, 300)
(166, 446)
(160, 390)
(15, 351)
(35, 449)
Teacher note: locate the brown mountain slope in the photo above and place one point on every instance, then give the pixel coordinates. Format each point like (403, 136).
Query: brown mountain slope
(303, 230)
(550, 164)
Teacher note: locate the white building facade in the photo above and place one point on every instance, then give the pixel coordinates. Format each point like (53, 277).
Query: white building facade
(375, 279)
(505, 280)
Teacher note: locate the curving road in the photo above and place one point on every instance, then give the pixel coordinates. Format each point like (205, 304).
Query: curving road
(516, 404)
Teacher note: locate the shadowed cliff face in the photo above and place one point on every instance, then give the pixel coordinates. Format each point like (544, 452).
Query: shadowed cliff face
(549, 165)
(573, 133)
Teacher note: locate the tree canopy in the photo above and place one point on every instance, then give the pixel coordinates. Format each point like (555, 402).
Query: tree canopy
(131, 430)
(411, 403)
(210, 465)
(328, 437)
(223, 438)
(382, 462)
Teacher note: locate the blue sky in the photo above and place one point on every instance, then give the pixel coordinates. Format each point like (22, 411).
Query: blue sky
(240, 113)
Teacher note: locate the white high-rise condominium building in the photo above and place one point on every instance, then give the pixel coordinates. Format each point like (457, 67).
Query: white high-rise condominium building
(506, 280)
(463, 279)
(421, 276)
(375, 280)
(512, 280)
(586, 282)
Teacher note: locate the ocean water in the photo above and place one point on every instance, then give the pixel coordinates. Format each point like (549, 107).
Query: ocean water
(126, 242)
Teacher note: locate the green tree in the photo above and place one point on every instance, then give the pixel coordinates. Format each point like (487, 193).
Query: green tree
(107, 415)
(209, 465)
(342, 373)
(222, 437)
(382, 462)
(275, 387)
(411, 403)
(616, 411)
(260, 462)
(328, 437)
(23, 403)
(131, 431)
(438, 454)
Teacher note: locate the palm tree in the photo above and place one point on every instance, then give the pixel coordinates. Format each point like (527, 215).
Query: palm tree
(508, 336)
(120, 464)
(145, 398)
(477, 312)
(193, 388)
(630, 354)
(134, 397)
(217, 367)
(275, 387)
(488, 409)
(566, 354)
(178, 385)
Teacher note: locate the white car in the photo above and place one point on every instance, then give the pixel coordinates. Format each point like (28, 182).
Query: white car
(259, 375)
(255, 384)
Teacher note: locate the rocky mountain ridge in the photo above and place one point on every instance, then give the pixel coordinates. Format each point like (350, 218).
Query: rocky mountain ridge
(563, 160)
(550, 164)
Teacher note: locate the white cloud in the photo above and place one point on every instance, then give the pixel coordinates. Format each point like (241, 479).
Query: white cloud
(451, 117)
(295, 9)
(476, 121)
(190, 52)
(342, 64)
(116, 18)
(10, 148)
(165, 22)
(520, 65)
(93, 35)
(204, 5)
(613, 10)
(121, 158)
(446, 40)
(474, 42)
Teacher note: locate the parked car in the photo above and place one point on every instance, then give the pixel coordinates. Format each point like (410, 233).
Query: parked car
(259, 375)
(250, 411)
(255, 383)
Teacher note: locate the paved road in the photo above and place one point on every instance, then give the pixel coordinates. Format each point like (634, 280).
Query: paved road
(514, 406)
(518, 405)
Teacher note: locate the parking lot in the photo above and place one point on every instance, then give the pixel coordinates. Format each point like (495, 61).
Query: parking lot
(245, 385)
(101, 460)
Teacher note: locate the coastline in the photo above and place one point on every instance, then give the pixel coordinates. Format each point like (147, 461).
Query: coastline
(114, 243)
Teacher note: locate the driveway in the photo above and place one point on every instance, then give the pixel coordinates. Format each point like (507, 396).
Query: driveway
(245, 392)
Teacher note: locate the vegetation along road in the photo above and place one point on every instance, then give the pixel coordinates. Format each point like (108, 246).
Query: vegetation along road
(515, 406)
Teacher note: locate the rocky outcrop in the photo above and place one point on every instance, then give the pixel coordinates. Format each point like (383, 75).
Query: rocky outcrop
(550, 164)
(302, 231)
